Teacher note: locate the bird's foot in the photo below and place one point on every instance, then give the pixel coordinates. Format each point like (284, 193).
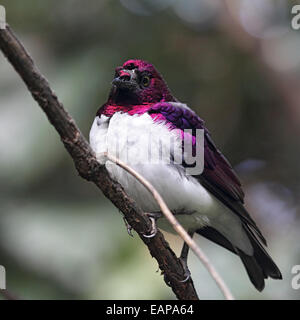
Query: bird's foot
(187, 272)
(128, 227)
(153, 230)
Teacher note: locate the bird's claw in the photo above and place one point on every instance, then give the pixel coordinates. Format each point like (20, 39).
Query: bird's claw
(128, 227)
(153, 230)
(188, 275)
(187, 272)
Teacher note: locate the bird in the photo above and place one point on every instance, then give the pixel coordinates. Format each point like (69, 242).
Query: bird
(141, 115)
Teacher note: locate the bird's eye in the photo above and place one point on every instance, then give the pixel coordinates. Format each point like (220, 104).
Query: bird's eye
(145, 81)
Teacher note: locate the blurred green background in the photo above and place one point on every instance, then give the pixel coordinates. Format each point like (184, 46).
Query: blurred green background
(236, 63)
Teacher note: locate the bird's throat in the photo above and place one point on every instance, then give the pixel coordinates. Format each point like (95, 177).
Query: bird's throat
(123, 97)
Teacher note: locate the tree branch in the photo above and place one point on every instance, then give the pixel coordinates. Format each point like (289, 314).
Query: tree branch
(88, 167)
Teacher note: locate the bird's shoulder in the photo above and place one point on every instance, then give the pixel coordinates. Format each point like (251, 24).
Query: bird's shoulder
(216, 167)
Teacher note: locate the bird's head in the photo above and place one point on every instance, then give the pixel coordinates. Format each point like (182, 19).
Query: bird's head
(138, 82)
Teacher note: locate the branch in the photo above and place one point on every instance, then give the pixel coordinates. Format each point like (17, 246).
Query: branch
(89, 168)
(177, 226)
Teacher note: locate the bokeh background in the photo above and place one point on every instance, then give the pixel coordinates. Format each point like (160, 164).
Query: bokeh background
(237, 63)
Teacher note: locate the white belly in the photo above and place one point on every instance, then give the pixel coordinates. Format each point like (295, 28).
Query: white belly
(127, 137)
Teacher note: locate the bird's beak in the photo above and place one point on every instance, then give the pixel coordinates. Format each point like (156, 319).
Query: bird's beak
(127, 79)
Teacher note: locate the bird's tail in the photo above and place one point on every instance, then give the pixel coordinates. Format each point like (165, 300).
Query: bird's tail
(260, 265)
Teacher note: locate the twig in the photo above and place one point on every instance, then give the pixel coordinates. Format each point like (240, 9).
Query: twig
(177, 226)
(88, 166)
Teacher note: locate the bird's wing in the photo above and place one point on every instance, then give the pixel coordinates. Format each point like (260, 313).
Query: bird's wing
(218, 176)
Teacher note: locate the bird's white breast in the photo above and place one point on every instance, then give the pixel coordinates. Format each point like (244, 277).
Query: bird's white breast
(129, 138)
(142, 143)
